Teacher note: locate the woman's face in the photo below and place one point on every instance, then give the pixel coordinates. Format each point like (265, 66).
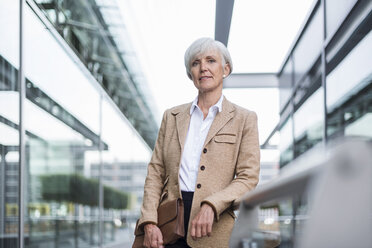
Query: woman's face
(207, 71)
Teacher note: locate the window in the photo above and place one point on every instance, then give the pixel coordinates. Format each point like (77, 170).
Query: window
(309, 122)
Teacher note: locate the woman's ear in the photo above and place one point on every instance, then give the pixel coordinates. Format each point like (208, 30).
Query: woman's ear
(226, 69)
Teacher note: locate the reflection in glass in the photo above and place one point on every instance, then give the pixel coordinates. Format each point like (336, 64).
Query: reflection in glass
(124, 168)
(62, 202)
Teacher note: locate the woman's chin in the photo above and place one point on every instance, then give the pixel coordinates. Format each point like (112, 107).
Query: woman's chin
(209, 88)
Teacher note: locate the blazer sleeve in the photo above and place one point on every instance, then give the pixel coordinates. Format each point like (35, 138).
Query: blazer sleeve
(247, 170)
(154, 180)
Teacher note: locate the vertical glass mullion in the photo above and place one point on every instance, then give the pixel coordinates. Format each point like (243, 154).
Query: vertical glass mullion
(293, 106)
(2, 194)
(324, 71)
(101, 192)
(22, 95)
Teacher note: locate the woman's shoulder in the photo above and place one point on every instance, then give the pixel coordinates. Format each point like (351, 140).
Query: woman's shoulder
(178, 109)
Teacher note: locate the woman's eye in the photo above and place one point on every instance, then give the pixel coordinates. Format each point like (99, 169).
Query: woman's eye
(211, 61)
(194, 63)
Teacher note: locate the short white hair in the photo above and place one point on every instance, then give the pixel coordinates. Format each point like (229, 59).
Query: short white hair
(203, 45)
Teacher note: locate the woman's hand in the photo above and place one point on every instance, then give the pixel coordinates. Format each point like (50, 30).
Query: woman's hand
(201, 225)
(153, 237)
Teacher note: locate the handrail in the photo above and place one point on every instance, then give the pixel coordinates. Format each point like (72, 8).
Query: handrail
(292, 180)
(338, 181)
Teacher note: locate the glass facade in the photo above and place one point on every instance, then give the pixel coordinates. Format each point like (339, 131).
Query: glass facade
(80, 149)
(332, 78)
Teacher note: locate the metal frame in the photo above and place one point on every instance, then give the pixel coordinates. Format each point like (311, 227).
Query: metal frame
(251, 80)
(21, 162)
(3, 151)
(324, 73)
(291, 102)
(224, 9)
(100, 179)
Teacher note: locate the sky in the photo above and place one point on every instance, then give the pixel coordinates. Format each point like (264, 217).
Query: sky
(261, 34)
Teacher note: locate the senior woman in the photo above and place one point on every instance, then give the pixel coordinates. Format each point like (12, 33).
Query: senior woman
(206, 153)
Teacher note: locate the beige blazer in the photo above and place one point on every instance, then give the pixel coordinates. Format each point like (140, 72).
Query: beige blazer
(231, 158)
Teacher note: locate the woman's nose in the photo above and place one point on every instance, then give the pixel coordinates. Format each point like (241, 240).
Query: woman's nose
(203, 66)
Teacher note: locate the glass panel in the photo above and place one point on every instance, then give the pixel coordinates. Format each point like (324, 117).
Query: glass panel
(9, 121)
(349, 90)
(351, 75)
(285, 84)
(309, 122)
(124, 169)
(309, 47)
(62, 123)
(336, 11)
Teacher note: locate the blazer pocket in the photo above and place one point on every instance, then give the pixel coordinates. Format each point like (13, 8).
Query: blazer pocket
(225, 138)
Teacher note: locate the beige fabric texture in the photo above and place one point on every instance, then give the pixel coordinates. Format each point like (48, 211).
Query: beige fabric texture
(232, 165)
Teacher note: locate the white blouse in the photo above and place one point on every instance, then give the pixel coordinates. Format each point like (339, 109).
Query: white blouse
(196, 135)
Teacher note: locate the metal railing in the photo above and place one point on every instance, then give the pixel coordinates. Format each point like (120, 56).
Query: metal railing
(336, 181)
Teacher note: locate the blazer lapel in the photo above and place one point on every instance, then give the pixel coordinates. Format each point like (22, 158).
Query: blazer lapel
(220, 120)
(182, 123)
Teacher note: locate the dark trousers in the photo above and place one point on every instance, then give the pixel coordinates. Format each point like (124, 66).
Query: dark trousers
(187, 201)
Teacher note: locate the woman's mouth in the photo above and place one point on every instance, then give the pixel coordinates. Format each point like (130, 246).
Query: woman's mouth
(204, 78)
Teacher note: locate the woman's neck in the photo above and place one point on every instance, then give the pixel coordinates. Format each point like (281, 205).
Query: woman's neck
(207, 100)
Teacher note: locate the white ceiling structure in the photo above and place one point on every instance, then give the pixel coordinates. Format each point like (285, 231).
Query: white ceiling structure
(259, 38)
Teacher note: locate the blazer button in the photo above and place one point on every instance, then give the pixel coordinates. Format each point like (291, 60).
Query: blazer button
(202, 167)
(205, 150)
(198, 186)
